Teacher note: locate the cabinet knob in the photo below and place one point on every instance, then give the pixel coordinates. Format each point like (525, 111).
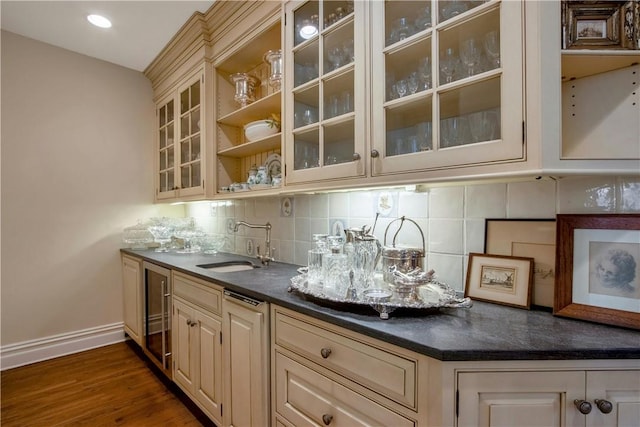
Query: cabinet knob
(583, 406)
(326, 419)
(325, 352)
(190, 322)
(603, 405)
(356, 157)
(375, 153)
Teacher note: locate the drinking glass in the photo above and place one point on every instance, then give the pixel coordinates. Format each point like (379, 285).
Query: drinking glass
(401, 88)
(347, 102)
(413, 82)
(347, 48)
(332, 109)
(492, 47)
(315, 255)
(335, 57)
(479, 126)
(423, 21)
(454, 131)
(470, 55)
(448, 64)
(424, 134)
(424, 70)
(451, 8)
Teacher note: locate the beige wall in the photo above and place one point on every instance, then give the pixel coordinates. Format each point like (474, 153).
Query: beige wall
(77, 159)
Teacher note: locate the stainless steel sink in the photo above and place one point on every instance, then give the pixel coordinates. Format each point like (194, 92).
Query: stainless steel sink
(229, 266)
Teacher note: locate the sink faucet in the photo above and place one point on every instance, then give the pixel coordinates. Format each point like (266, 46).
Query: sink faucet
(266, 257)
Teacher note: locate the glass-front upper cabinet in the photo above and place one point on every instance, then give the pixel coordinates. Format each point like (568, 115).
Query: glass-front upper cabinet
(325, 87)
(447, 85)
(179, 136)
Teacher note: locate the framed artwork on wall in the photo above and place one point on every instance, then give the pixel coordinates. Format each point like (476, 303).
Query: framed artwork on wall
(598, 268)
(500, 279)
(533, 238)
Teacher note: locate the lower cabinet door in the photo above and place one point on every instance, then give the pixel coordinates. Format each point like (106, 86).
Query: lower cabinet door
(525, 399)
(306, 398)
(209, 382)
(615, 396)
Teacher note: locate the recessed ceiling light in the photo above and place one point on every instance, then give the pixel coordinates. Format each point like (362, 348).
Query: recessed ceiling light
(99, 21)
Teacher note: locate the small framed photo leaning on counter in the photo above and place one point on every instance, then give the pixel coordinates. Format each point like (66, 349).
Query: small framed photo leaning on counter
(598, 268)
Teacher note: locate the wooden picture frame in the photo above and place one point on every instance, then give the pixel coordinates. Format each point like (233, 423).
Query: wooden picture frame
(598, 268)
(532, 238)
(600, 24)
(500, 279)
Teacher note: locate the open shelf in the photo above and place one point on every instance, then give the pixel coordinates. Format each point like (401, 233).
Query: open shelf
(582, 63)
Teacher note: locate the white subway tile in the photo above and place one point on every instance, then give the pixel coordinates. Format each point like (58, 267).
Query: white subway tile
(592, 194)
(486, 201)
(413, 205)
(474, 235)
(338, 205)
(446, 202)
(448, 269)
(629, 189)
(445, 236)
(531, 199)
(319, 206)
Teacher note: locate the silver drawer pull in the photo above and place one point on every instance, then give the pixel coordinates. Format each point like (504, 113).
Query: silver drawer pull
(325, 352)
(326, 419)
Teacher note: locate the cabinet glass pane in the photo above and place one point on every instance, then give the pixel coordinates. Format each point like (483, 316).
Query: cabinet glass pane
(306, 150)
(162, 115)
(338, 95)
(184, 126)
(306, 20)
(305, 109)
(195, 95)
(195, 121)
(195, 148)
(409, 70)
(405, 18)
(184, 101)
(338, 48)
(305, 63)
(334, 11)
(338, 143)
(470, 114)
(448, 9)
(163, 160)
(162, 138)
(471, 48)
(408, 128)
(170, 111)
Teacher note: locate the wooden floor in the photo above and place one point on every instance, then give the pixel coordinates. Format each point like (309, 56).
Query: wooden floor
(108, 386)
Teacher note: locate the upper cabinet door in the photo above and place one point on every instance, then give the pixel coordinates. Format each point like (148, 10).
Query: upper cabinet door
(325, 75)
(448, 84)
(180, 140)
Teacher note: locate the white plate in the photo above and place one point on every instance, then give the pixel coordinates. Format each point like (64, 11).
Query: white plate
(273, 165)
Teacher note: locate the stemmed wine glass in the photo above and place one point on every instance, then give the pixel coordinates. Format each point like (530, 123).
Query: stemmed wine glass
(413, 82)
(448, 64)
(492, 47)
(470, 55)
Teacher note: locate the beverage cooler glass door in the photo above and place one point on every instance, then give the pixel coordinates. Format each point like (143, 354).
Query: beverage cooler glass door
(157, 343)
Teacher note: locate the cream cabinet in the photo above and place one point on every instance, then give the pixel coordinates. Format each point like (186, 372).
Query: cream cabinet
(248, 89)
(449, 85)
(181, 148)
(246, 361)
(132, 294)
(197, 342)
(322, 374)
(325, 78)
(549, 398)
(583, 102)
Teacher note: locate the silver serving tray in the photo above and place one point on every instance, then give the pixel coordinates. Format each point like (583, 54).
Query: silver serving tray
(383, 299)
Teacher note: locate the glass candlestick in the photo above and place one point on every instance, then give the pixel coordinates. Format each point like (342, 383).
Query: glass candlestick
(245, 88)
(274, 59)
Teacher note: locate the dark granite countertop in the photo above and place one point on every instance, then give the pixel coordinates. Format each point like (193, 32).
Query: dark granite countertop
(483, 332)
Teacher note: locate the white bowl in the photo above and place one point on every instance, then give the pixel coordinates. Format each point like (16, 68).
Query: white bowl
(259, 129)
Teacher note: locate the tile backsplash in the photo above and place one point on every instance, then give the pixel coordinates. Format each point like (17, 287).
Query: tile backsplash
(451, 218)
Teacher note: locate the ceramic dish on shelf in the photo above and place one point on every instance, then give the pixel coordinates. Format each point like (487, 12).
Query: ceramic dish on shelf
(273, 165)
(259, 129)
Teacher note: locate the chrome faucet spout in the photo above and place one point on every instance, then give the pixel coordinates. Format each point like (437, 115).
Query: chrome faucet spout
(267, 256)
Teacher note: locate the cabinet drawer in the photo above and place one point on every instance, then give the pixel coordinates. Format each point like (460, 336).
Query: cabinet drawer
(199, 292)
(390, 374)
(306, 398)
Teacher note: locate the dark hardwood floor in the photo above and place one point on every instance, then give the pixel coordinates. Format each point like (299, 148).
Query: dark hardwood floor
(107, 386)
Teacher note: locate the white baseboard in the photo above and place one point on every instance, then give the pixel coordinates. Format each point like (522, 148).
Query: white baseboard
(26, 352)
